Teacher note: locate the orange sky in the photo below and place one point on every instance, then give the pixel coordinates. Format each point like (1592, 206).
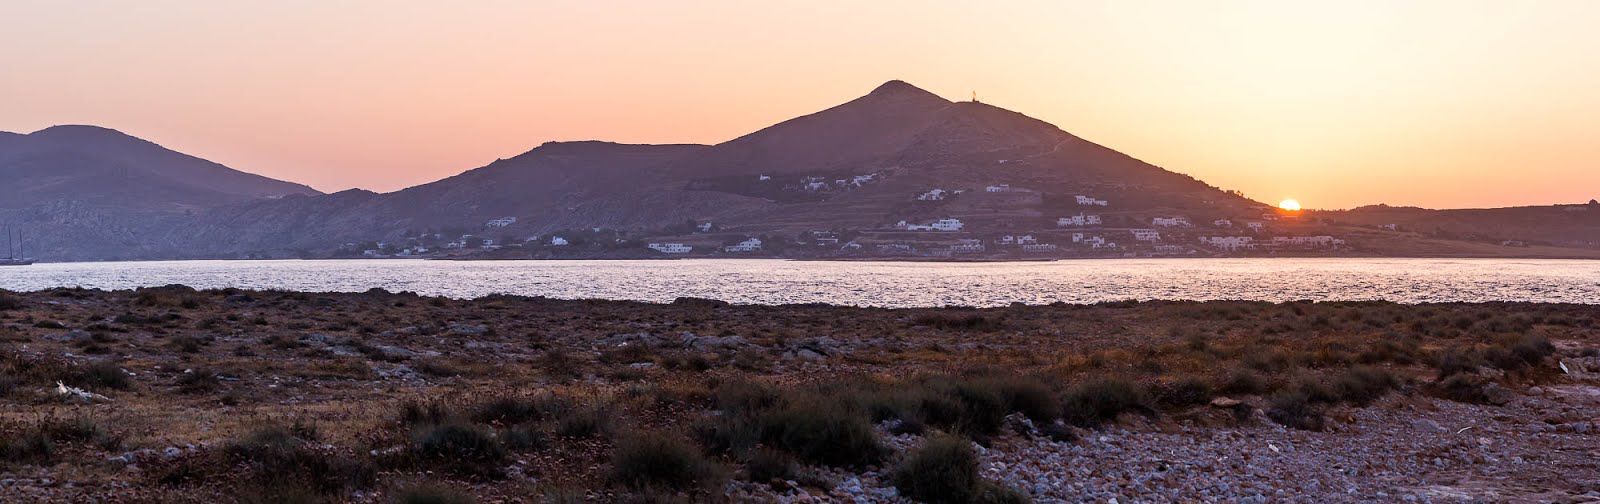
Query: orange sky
(1448, 103)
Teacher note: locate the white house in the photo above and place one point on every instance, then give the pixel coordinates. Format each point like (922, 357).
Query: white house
(1039, 247)
(1222, 223)
(558, 241)
(1255, 226)
(894, 249)
(1306, 242)
(967, 247)
(671, 248)
(1389, 227)
(816, 186)
(932, 195)
(704, 227)
(1089, 201)
(501, 222)
(998, 188)
(1078, 221)
(947, 225)
(1229, 243)
(1146, 235)
(749, 245)
(1077, 237)
(1179, 221)
(1006, 240)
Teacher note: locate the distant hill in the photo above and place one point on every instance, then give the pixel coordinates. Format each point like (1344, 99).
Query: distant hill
(897, 154)
(105, 167)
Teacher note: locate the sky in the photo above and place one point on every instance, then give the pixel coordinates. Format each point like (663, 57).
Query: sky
(1443, 104)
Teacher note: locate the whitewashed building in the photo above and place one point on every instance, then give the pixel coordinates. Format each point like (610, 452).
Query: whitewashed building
(933, 195)
(1146, 235)
(1090, 201)
(1306, 242)
(1170, 222)
(559, 241)
(501, 222)
(998, 188)
(967, 246)
(1079, 220)
(1222, 223)
(671, 248)
(749, 245)
(1229, 243)
(1039, 247)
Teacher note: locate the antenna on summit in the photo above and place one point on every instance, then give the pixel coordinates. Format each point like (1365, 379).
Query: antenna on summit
(974, 96)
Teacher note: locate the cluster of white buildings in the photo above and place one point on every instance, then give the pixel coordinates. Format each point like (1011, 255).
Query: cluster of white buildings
(1079, 220)
(671, 248)
(501, 222)
(1089, 201)
(1093, 241)
(1016, 240)
(967, 246)
(749, 245)
(1306, 242)
(998, 188)
(934, 194)
(1146, 235)
(1170, 222)
(559, 241)
(1222, 223)
(1229, 243)
(814, 183)
(938, 225)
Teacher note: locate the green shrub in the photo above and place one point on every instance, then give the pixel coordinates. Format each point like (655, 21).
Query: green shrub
(100, 376)
(27, 447)
(1032, 399)
(1294, 409)
(515, 410)
(1361, 385)
(770, 465)
(454, 442)
(659, 461)
(583, 423)
(284, 457)
(945, 471)
(414, 412)
(723, 434)
(824, 433)
(1101, 400)
(1187, 391)
(1243, 381)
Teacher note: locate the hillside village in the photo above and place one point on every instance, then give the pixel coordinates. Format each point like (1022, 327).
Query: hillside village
(1090, 226)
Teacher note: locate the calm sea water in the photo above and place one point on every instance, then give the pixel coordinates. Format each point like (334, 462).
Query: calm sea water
(890, 284)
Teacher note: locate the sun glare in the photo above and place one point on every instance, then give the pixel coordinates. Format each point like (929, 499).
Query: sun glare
(1290, 205)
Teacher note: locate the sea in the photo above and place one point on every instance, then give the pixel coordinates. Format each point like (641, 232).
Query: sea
(879, 284)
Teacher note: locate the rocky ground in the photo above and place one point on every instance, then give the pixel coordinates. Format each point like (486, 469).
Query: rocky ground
(178, 395)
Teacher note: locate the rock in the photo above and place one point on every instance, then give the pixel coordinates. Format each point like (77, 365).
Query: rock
(469, 330)
(1225, 403)
(1535, 391)
(1426, 425)
(808, 354)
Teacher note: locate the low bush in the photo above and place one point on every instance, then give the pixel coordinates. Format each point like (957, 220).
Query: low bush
(458, 443)
(1294, 409)
(724, 434)
(655, 460)
(1360, 385)
(823, 432)
(288, 458)
(516, 410)
(99, 376)
(583, 423)
(1102, 400)
(945, 471)
(972, 322)
(770, 465)
(1187, 391)
(1032, 399)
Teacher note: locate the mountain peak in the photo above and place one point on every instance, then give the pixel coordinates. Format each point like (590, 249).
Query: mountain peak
(904, 90)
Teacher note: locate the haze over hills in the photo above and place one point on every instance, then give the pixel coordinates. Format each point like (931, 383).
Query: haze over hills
(870, 170)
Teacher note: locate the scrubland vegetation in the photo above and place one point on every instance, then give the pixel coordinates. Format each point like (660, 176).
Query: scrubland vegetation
(294, 397)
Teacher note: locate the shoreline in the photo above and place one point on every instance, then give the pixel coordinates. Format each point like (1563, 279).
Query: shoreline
(369, 397)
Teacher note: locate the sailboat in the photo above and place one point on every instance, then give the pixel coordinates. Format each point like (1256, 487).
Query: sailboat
(12, 258)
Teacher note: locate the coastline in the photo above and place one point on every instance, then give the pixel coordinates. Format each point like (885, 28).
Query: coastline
(1350, 400)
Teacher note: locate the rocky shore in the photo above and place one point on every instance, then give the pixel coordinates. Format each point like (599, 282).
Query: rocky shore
(177, 395)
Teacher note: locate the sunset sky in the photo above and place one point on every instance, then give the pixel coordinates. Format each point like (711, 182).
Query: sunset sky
(1448, 103)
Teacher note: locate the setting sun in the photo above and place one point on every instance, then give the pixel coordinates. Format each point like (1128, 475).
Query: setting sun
(1290, 205)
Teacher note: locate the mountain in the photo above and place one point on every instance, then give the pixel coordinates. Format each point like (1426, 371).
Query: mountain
(105, 167)
(85, 192)
(865, 169)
